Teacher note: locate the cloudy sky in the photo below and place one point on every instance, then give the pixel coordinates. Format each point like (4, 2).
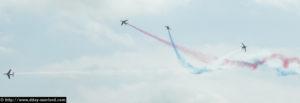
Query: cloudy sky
(77, 49)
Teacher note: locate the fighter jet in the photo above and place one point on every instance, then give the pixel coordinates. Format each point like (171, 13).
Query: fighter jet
(168, 28)
(244, 47)
(9, 73)
(123, 22)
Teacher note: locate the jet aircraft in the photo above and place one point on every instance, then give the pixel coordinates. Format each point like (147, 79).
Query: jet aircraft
(168, 28)
(9, 73)
(123, 22)
(244, 47)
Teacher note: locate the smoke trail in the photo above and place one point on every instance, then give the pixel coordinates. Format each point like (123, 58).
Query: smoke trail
(220, 60)
(199, 56)
(240, 63)
(285, 60)
(182, 60)
(54, 73)
(208, 59)
(70, 74)
(283, 72)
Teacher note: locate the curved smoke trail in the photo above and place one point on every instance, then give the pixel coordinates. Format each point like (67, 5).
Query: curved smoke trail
(254, 65)
(199, 56)
(285, 61)
(208, 59)
(182, 60)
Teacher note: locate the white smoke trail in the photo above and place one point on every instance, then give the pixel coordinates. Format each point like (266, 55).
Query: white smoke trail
(219, 61)
(53, 73)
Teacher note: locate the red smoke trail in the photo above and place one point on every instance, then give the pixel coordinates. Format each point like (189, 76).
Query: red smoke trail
(199, 56)
(207, 59)
(285, 61)
(240, 63)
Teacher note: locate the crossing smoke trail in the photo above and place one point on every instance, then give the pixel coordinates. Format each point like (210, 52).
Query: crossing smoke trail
(199, 56)
(238, 63)
(182, 60)
(208, 59)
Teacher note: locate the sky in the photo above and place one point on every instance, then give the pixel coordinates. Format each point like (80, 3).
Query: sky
(78, 49)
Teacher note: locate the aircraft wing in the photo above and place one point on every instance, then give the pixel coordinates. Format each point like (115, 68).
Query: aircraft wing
(9, 71)
(8, 76)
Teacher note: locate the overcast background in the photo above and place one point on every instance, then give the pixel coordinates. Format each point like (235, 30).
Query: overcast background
(77, 49)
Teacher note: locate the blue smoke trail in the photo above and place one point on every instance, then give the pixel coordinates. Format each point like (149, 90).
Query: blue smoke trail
(183, 61)
(281, 72)
(196, 70)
